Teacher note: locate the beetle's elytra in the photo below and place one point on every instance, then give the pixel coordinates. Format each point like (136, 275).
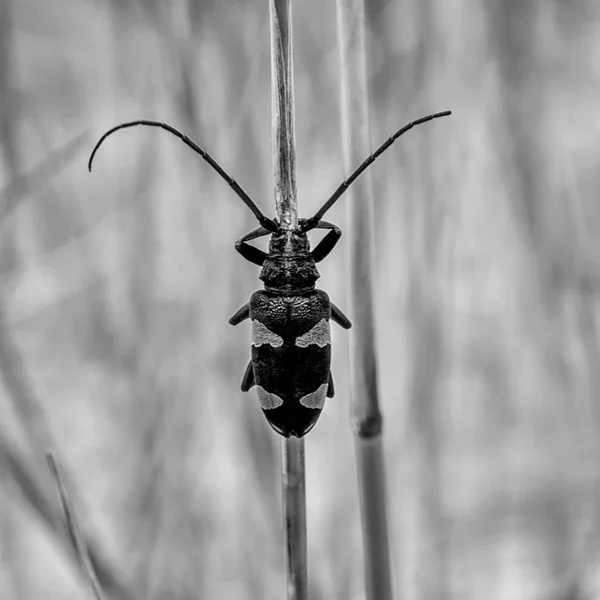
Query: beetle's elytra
(291, 338)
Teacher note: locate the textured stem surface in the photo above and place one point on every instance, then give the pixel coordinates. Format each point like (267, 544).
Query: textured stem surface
(294, 515)
(284, 167)
(366, 416)
(282, 94)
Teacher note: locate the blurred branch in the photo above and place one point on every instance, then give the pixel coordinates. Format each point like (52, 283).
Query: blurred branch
(367, 419)
(284, 167)
(10, 113)
(34, 495)
(27, 406)
(77, 539)
(27, 183)
(8, 123)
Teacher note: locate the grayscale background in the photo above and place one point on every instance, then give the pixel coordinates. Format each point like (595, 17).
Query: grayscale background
(116, 287)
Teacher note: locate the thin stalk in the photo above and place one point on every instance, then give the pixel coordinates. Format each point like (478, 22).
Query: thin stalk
(284, 169)
(282, 96)
(366, 416)
(294, 516)
(25, 480)
(77, 539)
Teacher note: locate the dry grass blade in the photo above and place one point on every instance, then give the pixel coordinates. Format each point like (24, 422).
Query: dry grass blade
(367, 419)
(33, 495)
(74, 532)
(284, 166)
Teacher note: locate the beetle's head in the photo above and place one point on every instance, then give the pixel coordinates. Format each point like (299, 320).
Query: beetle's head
(289, 266)
(289, 241)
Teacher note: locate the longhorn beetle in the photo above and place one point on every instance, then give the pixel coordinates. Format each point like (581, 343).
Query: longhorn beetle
(291, 340)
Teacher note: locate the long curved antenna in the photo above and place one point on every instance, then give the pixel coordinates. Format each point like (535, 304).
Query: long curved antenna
(312, 222)
(262, 219)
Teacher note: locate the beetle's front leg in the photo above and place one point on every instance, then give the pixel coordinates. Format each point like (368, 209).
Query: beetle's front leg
(250, 253)
(327, 244)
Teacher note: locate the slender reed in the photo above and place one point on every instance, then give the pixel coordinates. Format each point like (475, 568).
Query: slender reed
(77, 539)
(366, 416)
(282, 96)
(284, 170)
(294, 516)
(23, 478)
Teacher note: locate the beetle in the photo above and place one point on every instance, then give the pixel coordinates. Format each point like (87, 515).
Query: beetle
(291, 339)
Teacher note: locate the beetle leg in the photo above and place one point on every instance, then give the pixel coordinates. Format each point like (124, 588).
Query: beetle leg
(248, 378)
(327, 244)
(250, 253)
(339, 317)
(330, 388)
(240, 315)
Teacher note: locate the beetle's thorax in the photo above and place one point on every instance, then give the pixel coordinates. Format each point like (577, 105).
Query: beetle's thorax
(289, 268)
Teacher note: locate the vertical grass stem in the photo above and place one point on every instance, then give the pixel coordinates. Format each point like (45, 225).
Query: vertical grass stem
(294, 515)
(77, 539)
(282, 94)
(366, 416)
(284, 167)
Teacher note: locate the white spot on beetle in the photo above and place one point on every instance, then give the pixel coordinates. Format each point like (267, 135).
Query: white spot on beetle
(263, 335)
(267, 399)
(315, 399)
(320, 335)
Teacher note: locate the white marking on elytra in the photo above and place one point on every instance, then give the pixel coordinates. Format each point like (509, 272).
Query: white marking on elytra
(268, 400)
(320, 335)
(263, 335)
(315, 399)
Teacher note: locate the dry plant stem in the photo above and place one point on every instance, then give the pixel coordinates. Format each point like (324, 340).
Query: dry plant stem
(294, 515)
(366, 416)
(284, 167)
(282, 95)
(74, 532)
(32, 494)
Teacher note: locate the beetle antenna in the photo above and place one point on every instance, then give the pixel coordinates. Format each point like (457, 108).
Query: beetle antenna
(312, 222)
(262, 219)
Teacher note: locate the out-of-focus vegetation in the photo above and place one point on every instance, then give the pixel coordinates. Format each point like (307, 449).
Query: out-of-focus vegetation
(116, 289)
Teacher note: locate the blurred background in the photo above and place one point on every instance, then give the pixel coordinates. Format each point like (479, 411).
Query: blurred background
(116, 287)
